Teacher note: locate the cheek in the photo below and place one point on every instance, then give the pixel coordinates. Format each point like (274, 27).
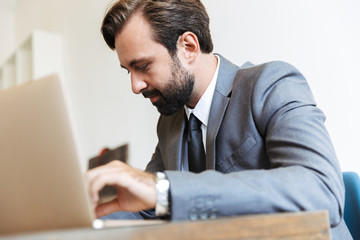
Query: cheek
(159, 78)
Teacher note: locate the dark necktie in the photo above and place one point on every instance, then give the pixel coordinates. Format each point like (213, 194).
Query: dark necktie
(196, 153)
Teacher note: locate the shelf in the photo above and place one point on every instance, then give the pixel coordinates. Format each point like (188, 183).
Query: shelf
(38, 56)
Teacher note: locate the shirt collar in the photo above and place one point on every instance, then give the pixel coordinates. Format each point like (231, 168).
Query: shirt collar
(202, 108)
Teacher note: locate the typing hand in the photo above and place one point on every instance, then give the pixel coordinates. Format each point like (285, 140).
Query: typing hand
(135, 189)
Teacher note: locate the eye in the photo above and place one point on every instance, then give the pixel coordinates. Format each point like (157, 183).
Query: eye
(143, 67)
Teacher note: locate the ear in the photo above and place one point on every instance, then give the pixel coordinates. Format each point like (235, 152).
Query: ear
(188, 46)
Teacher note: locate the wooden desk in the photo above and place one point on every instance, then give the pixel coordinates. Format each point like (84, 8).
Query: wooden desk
(304, 225)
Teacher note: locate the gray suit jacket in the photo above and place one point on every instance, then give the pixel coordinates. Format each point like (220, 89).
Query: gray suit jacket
(267, 150)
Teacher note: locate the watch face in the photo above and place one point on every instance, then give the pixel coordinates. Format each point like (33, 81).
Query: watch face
(162, 194)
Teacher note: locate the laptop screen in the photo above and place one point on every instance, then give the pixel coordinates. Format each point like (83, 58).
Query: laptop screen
(41, 184)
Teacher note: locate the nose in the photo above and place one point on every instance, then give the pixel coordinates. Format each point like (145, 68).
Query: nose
(137, 83)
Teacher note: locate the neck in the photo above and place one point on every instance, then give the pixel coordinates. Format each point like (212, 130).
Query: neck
(204, 71)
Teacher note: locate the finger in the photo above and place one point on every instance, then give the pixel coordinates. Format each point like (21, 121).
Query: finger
(100, 181)
(98, 177)
(103, 169)
(106, 208)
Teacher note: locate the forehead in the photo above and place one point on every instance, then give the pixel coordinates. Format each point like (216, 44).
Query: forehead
(135, 41)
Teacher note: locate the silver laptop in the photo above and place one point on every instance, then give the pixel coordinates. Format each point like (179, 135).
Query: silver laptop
(41, 184)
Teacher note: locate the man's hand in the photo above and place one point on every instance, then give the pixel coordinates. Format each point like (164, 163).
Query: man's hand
(135, 189)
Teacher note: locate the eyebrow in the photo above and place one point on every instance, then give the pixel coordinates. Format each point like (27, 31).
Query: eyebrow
(137, 61)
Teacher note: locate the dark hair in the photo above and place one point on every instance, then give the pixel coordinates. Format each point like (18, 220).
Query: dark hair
(169, 19)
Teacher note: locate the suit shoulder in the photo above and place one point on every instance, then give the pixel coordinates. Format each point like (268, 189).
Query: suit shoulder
(279, 66)
(265, 74)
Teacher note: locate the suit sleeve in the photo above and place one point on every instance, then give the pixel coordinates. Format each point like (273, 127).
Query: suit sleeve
(304, 173)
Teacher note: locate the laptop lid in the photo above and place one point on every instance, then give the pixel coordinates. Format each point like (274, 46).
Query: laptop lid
(41, 185)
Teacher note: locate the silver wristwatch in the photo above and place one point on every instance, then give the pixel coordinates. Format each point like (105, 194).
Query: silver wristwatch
(162, 208)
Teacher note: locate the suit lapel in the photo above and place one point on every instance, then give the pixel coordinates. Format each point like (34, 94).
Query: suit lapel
(220, 101)
(217, 112)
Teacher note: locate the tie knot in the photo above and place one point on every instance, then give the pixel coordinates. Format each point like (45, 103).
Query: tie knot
(194, 122)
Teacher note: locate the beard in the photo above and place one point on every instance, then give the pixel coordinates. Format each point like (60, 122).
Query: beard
(176, 92)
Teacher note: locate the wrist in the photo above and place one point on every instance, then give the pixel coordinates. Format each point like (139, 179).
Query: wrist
(162, 185)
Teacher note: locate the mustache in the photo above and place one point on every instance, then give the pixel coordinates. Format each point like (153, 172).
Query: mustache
(150, 93)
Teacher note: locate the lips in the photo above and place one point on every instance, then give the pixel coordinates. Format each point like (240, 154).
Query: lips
(154, 98)
(153, 95)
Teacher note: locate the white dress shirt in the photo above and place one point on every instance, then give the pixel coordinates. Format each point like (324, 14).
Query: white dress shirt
(202, 108)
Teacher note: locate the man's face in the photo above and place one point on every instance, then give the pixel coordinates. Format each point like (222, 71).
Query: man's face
(154, 73)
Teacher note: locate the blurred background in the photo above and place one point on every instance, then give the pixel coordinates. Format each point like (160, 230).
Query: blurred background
(321, 38)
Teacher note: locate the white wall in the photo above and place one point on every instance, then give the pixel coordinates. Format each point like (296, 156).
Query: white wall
(7, 24)
(319, 37)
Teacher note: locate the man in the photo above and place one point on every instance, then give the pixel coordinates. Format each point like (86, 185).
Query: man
(261, 143)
